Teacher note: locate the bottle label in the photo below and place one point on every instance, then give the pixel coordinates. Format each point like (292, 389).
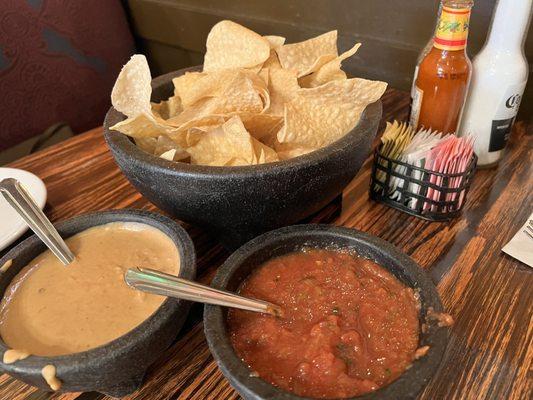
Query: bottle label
(415, 106)
(413, 86)
(505, 115)
(452, 29)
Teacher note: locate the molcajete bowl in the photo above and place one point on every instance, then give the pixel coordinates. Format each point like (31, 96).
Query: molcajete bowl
(118, 367)
(238, 203)
(285, 240)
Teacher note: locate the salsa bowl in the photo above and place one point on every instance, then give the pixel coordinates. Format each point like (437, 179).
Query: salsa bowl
(116, 368)
(286, 240)
(238, 203)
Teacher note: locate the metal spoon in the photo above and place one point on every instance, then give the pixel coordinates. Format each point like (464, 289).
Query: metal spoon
(155, 282)
(25, 206)
(143, 279)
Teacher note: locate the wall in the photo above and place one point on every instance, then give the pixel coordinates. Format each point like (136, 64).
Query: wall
(172, 32)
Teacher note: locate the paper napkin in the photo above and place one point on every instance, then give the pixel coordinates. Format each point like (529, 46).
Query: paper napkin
(521, 245)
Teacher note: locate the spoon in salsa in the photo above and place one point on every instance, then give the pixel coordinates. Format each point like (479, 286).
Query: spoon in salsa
(155, 282)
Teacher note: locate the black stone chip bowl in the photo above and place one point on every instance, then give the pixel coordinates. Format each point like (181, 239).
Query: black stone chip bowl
(118, 367)
(238, 203)
(285, 240)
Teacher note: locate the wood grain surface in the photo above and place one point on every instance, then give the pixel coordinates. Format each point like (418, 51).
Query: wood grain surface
(489, 293)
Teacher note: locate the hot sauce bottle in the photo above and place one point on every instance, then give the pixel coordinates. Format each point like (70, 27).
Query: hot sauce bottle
(444, 73)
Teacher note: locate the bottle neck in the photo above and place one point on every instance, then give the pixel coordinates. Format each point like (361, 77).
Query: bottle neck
(451, 32)
(509, 25)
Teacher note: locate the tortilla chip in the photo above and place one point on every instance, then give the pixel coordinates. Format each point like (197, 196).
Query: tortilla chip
(192, 88)
(215, 84)
(258, 125)
(132, 90)
(239, 97)
(285, 153)
(264, 154)
(229, 144)
(283, 86)
(143, 126)
(275, 41)
(147, 144)
(322, 60)
(260, 84)
(264, 75)
(188, 133)
(284, 150)
(319, 116)
(131, 96)
(248, 105)
(185, 87)
(255, 69)
(164, 144)
(175, 155)
(308, 56)
(168, 108)
(330, 71)
(272, 61)
(261, 125)
(230, 45)
(169, 155)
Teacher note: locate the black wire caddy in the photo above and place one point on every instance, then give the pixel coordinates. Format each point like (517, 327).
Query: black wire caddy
(417, 191)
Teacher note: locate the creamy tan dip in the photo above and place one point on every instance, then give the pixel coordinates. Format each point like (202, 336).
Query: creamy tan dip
(12, 355)
(6, 266)
(49, 374)
(50, 309)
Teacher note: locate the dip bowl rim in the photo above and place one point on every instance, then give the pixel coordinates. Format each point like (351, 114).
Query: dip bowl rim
(126, 343)
(124, 144)
(408, 385)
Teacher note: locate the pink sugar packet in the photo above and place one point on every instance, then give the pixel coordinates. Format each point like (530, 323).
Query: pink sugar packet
(451, 156)
(437, 159)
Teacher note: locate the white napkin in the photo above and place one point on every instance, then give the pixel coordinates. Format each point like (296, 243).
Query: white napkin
(521, 245)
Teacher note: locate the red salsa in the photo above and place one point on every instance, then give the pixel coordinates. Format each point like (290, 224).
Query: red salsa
(349, 326)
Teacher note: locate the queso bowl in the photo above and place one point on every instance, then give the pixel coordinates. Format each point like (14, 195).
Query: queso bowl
(238, 203)
(118, 367)
(285, 240)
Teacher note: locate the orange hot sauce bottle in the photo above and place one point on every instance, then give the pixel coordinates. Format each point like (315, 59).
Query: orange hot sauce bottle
(444, 73)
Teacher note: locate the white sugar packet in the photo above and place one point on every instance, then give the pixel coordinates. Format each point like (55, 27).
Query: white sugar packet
(521, 245)
(416, 154)
(415, 145)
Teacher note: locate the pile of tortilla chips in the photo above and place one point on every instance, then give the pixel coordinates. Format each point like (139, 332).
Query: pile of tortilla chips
(257, 100)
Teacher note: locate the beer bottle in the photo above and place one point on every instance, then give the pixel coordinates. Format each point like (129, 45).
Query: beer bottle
(498, 82)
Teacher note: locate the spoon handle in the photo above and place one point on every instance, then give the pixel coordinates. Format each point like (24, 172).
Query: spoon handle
(155, 282)
(23, 203)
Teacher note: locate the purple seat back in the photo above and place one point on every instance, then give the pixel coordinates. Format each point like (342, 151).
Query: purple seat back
(58, 62)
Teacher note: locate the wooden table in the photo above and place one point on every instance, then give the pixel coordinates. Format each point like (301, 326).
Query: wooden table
(489, 293)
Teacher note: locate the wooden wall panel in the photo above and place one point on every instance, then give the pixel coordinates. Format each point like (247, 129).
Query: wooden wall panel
(172, 32)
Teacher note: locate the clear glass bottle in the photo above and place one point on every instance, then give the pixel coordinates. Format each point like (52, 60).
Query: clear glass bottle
(500, 72)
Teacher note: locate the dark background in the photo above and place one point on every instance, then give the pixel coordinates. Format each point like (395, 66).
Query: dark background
(172, 33)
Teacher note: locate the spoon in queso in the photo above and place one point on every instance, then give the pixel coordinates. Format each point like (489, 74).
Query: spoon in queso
(146, 280)
(155, 282)
(25, 206)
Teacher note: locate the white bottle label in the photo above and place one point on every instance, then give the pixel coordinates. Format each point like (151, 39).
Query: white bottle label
(413, 86)
(415, 106)
(505, 115)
